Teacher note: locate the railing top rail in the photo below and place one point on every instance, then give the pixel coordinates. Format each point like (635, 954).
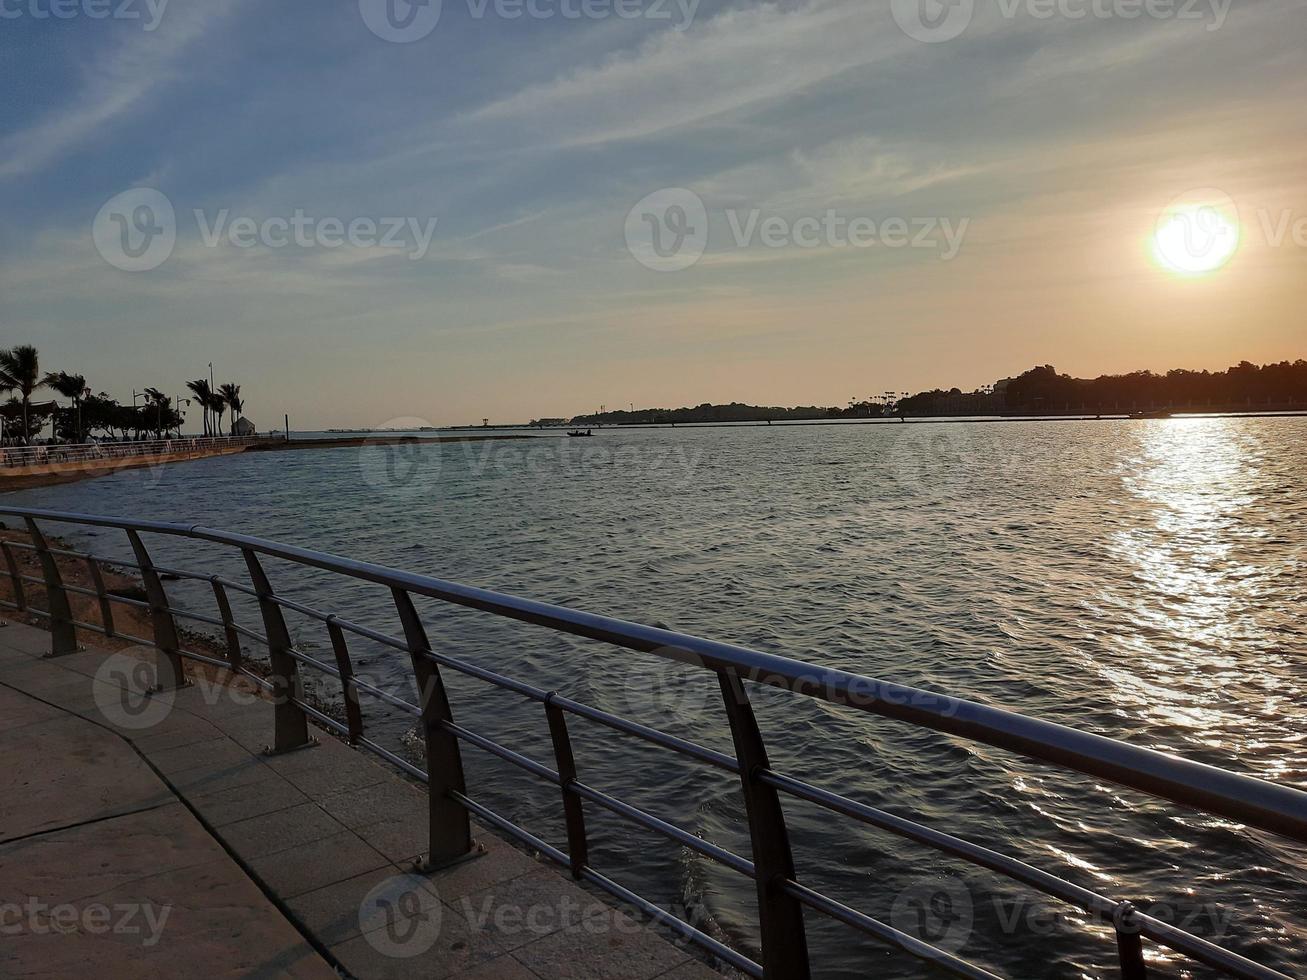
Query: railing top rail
(14, 456)
(1246, 799)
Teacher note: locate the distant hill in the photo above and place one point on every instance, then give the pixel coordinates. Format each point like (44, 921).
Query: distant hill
(1039, 391)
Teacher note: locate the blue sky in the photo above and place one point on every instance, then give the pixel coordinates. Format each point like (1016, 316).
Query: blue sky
(1050, 144)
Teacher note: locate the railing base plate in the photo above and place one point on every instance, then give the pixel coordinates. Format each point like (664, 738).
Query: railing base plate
(422, 866)
(269, 751)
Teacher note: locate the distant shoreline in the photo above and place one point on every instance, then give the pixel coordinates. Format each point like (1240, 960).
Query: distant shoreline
(56, 474)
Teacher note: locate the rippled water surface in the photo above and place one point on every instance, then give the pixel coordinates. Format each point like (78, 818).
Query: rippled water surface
(1143, 580)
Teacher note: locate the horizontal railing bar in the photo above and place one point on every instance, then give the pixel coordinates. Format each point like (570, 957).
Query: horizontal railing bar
(304, 658)
(24, 545)
(645, 819)
(32, 610)
(691, 749)
(321, 717)
(974, 853)
(234, 585)
(510, 828)
(205, 659)
(31, 578)
(368, 633)
(377, 692)
(261, 681)
(682, 928)
(489, 676)
(126, 600)
(394, 759)
(248, 633)
(138, 640)
(197, 617)
(299, 607)
(79, 590)
(86, 626)
(502, 752)
(181, 573)
(887, 934)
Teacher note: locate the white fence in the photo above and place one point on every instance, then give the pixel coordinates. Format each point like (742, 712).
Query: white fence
(93, 452)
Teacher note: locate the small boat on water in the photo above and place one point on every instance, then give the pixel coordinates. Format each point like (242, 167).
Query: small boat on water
(1151, 415)
(581, 435)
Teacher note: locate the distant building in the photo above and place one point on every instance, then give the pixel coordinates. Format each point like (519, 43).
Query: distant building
(244, 427)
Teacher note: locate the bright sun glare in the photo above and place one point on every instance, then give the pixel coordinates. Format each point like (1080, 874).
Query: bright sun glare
(1197, 234)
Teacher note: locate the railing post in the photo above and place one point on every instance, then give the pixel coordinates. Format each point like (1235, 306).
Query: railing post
(20, 597)
(449, 825)
(1129, 944)
(291, 725)
(63, 635)
(578, 849)
(353, 711)
(106, 607)
(234, 657)
(784, 937)
(165, 628)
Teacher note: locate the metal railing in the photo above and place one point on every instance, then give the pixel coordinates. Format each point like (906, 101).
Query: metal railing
(94, 452)
(782, 896)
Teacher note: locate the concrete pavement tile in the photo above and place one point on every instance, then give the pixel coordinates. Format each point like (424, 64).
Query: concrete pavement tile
(272, 832)
(317, 864)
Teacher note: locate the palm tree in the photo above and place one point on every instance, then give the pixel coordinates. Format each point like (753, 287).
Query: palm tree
(21, 370)
(204, 395)
(231, 394)
(217, 405)
(72, 387)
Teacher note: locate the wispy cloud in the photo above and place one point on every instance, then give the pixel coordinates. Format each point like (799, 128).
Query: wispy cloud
(115, 83)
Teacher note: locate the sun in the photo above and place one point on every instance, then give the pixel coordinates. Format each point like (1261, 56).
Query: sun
(1197, 233)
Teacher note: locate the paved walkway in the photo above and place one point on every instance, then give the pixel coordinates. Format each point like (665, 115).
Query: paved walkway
(150, 837)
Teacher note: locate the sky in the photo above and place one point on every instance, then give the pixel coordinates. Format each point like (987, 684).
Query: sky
(366, 210)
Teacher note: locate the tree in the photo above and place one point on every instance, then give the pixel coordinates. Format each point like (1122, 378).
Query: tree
(204, 395)
(20, 370)
(72, 387)
(217, 405)
(231, 394)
